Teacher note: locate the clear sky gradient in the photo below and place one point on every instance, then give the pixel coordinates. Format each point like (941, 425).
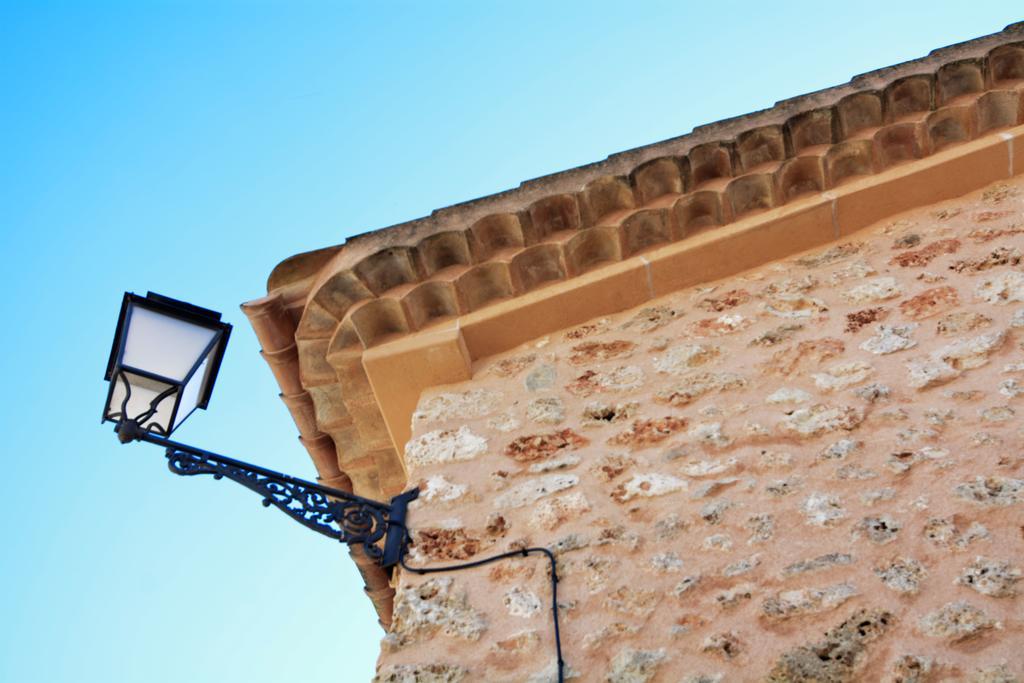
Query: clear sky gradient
(186, 148)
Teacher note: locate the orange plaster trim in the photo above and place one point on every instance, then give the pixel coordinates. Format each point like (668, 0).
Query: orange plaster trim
(742, 245)
(400, 370)
(609, 289)
(943, 175)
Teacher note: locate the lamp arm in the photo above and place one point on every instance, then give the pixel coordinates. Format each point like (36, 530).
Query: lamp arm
(336, 514)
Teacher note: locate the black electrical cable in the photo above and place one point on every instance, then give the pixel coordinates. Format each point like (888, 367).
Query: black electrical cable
(487, 560)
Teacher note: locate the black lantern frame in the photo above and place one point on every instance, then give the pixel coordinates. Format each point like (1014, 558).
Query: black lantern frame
(119, 372)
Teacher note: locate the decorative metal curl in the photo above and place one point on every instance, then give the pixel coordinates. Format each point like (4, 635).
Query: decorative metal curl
(377, 526)
(350, 521)
(122, 415)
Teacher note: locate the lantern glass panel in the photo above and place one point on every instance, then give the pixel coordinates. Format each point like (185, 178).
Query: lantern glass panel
(144, 391)
(193, 389)
(163, 345)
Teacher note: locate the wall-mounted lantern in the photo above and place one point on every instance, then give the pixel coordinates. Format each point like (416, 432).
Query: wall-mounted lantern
(163, 365)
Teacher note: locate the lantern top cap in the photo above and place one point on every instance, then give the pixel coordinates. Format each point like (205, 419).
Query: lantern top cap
(168, 306)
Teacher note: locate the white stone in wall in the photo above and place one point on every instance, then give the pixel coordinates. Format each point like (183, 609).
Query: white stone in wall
(522, 603)
(997, 414)
(1010, 388)
(902, 574)
(820, 418)
(1002, 288)
(707, 468)
(995, 578)
(807, 601)
(635, 666)
(648, 485)
(710, 434)
(666, 562)
(717, 542)
(439, 489)
(788, 395)
(552, 512)
(422, 673)
(463, 405)
(957, 621)
(839, 449)
(731, 322)
(704, 678)
(549, 674)
(681, 359)
(422, 609)
(842, 375)
(441, 446)
(549, 410)
(505, 422)
(991, 491)
(857, 270)
(823, 509)
(743, 566)
(951, 361)
(795, 306)
(534, 489)
(877, 289)
(890, 339)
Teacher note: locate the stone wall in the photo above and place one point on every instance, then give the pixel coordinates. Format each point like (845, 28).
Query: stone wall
(811, 472)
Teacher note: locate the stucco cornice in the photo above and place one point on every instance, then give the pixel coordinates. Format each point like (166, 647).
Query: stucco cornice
(335, 320)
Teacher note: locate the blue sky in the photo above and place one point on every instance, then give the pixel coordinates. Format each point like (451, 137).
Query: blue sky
(186, 148)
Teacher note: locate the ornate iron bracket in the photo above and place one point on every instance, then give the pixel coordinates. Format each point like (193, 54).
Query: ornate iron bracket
(378, 527)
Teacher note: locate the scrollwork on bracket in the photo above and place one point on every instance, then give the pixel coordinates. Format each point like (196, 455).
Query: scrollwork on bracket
(350, 520)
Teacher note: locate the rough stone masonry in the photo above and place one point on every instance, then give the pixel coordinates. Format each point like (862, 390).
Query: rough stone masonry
(809, 472)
